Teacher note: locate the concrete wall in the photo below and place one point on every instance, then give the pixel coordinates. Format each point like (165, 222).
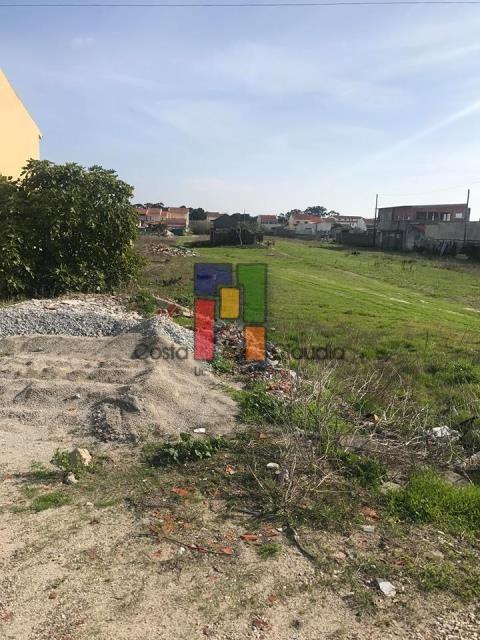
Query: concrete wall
(353, 239)
(19, 135)
(448, 231)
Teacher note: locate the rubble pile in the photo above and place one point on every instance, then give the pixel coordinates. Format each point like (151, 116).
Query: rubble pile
(279, 380)
(75, 315)
(89, 316)
(172, 251)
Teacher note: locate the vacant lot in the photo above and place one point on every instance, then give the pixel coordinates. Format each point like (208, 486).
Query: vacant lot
(417, 319)
(219, 508)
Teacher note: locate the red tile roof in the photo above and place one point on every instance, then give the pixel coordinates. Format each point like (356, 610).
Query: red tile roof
(155, 211)
(307, 217)
(267, 218)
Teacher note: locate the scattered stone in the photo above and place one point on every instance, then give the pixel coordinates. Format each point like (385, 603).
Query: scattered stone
(443, 433)
(70, 478)
(273, 466)
(80, 457)
(386, 588)
(200, 430)
(472, 463)
(283, 476)
(172, 251)
(340, 556)
(260, 624)
(368, 528)
(390, 486)
(435, 554)
(454, 478)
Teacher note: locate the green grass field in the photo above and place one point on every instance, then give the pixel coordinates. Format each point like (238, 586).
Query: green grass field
(420, 317)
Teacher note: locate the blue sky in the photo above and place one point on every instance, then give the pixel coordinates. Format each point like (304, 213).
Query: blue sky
(258, 108)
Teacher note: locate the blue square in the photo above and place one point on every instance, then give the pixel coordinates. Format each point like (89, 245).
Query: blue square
(209, 276)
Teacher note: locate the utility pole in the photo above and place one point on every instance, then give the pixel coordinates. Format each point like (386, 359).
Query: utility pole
(375, 222)
(465, 215)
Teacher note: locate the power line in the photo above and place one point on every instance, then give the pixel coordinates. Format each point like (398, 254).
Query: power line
(331, 3)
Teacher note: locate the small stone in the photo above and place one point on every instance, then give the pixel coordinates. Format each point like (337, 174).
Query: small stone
(368, 528)
(89, 504)
(273, 466)
(472, 463)
(443, 433)
(390, 486)
(454, 478)
(386, 588)
(80, 457)
(200, 430)
(70, 478)
(340, 556)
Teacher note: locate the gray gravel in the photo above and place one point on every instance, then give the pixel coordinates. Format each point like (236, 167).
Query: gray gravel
(165, 328)
(87, 315)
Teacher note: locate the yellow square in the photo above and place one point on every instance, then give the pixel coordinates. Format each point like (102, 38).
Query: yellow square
(229, 303)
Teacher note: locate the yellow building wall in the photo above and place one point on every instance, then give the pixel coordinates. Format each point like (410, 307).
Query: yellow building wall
(19, 135)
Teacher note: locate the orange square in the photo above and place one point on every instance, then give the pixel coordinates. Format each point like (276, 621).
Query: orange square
(255, 343)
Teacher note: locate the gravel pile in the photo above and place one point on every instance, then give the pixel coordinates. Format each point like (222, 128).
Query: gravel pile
(89, 316)
(163, 327)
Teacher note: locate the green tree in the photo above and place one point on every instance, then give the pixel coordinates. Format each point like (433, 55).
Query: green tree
(316, 210)
(14, 272)
(74, 230)
(198, 214)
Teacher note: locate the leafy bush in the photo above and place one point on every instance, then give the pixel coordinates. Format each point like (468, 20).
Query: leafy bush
(64, 461)
(429, 498)
(221, 364)
(258, 407)
(67, 229)
(188, 448)
(144, 303)
(367, 471)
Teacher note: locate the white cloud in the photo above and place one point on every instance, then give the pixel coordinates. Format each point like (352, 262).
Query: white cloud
(275, 70)
(81, 42)
(215, 120)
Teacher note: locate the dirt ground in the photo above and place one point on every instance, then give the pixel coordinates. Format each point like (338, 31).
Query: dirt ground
(96, 569)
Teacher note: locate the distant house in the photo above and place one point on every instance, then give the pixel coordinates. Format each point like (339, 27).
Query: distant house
(212, 215)
(355, 222)
(407, 227)
(176, 219)
(267, 221)
(19, 135)
(308, 224)
(303, 223)
(424, 213)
